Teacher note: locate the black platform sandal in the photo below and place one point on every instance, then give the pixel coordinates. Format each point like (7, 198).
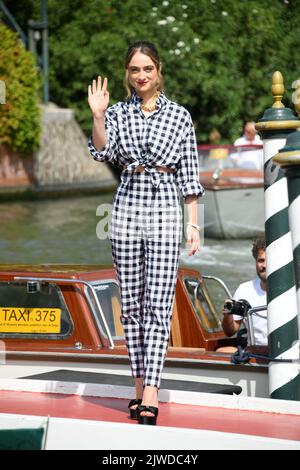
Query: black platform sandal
(134, 411)
(147, 419)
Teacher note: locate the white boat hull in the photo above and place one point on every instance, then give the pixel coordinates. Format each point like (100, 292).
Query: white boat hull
(253, 379)
(77, 434)
(234, 213)
(64, 433)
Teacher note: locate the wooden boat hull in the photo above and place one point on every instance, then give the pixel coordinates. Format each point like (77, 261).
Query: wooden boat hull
(195, 333)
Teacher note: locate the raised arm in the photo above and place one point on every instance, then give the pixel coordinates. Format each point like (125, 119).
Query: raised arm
(98, 99)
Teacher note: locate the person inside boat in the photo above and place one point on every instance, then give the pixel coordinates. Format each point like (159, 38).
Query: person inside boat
(250, 136)
(153, 140)
(254, 293)
(249, 154)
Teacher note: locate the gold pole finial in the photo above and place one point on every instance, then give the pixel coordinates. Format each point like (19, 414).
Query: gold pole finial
(277, 89)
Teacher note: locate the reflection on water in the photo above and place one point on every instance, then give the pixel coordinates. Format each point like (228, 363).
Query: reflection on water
(64, 231)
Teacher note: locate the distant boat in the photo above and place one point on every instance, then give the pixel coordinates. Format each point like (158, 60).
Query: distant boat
(234, 185)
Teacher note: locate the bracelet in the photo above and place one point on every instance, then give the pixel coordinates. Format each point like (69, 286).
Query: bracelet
(194, 225)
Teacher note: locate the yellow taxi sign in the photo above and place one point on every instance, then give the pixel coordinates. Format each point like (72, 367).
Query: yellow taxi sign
(29, 320)
(218, 153)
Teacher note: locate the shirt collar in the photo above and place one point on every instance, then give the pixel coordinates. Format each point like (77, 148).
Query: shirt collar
(135, 100)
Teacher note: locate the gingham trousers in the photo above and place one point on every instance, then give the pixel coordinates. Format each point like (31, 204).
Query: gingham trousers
(145, 233)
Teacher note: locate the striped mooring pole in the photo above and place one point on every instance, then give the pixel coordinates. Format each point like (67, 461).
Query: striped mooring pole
(289, 159)
(283, 338)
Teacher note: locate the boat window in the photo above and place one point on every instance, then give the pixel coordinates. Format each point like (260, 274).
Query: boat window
(33, 310)
(203, 303)
(248, 157)
(212, 157)
(109, 297)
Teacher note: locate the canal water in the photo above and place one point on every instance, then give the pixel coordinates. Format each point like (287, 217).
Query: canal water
(64, 231)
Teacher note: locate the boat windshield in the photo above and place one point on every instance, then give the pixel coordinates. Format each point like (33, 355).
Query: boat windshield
(109, 298)
(33, 310)
(247, 157)
(207, 303)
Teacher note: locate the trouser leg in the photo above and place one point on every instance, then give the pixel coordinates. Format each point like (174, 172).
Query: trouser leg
(161, 266)
(128, 256)
(146, 262)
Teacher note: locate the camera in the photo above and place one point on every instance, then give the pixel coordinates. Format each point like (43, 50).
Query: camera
(237, 307)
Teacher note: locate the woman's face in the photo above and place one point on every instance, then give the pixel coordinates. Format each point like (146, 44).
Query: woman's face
(142, 74)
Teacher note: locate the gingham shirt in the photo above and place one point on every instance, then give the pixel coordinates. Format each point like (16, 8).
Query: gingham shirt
(165, 138)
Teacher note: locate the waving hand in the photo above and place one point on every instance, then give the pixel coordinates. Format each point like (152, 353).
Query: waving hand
(98, 96)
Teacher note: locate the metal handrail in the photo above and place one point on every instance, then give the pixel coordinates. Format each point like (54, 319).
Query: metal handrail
(220, 281)
(251, 312)
(77, 281)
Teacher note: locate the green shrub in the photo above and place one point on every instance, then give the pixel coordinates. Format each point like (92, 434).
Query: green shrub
(19, 111)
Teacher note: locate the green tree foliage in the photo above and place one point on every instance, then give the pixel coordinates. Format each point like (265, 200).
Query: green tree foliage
(218, 55)
(19, 113)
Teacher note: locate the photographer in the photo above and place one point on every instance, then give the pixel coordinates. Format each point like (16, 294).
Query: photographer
(252, 293)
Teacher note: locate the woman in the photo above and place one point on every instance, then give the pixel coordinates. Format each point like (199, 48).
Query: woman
(153, 140)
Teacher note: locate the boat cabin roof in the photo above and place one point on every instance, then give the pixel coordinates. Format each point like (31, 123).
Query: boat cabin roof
(53, 268)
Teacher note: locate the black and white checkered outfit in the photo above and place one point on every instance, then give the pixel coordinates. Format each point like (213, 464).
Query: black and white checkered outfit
(146, 220)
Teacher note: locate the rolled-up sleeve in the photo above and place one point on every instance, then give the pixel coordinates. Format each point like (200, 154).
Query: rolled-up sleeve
(109, 153)
(187, 174)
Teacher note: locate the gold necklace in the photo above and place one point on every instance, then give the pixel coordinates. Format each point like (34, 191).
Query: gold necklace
(149, 109)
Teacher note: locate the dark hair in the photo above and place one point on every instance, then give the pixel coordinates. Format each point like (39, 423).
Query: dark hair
(258, 244)
(148, 49)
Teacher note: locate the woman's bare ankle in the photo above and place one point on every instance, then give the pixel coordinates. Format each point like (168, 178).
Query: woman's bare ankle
(139, 387)
(150, 396)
